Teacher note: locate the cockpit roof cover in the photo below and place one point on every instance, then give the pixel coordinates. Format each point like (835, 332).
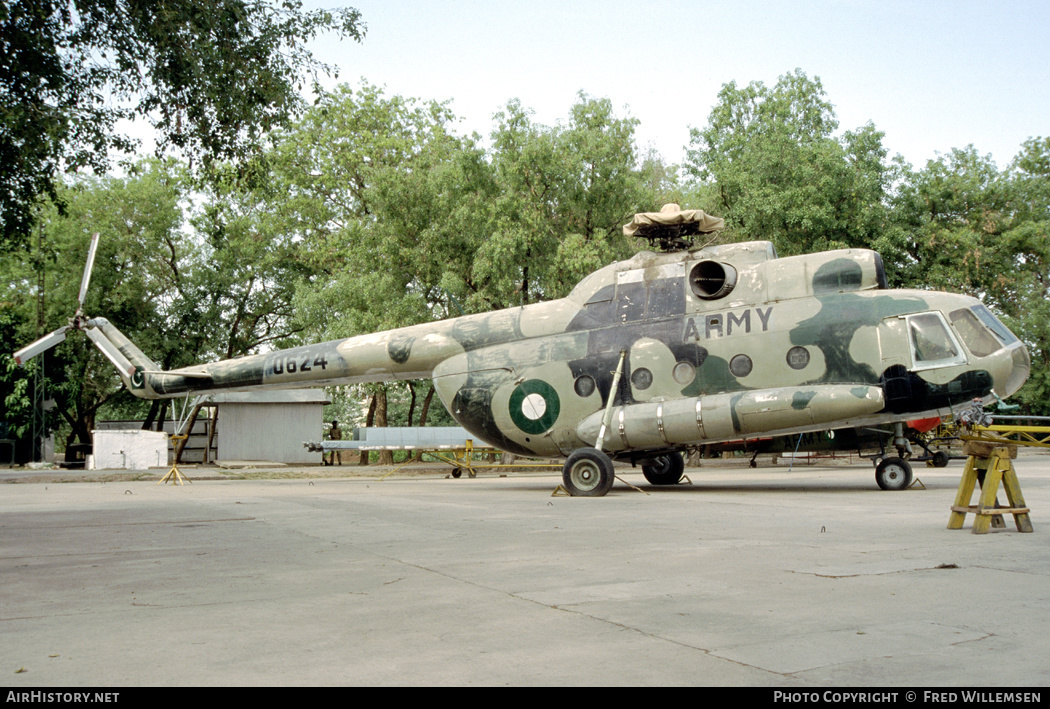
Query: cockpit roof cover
(670, 227)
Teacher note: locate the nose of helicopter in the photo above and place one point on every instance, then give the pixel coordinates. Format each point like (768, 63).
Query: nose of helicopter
(993, 348)
(1016, 371)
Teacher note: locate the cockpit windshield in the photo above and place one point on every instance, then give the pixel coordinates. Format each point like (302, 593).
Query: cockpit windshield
(981, 331)
(1004, 335)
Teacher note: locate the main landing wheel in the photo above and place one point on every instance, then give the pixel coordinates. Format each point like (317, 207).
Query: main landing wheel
(893, 474)
(665, 470)
(588, 473)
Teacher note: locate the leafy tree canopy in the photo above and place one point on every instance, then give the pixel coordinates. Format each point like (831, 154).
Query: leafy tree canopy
(782, 174)
(142, 266)
(564, 193)
(210, 77)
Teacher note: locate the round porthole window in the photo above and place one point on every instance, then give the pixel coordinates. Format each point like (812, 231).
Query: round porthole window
(684, 373)
(798, 357)
(642, 378)
(584, 386)
(740, 365)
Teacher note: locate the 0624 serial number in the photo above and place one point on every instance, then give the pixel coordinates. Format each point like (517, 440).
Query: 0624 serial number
(291, 364)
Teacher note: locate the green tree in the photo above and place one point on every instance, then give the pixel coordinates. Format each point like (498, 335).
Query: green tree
(1021, 292)
(140, 266)
(376, 217)
(211, 78)
(951, 211)
(563, 196)
(781, 174)
(243, 290)
(16, 383)
(373, 232)
(399, 220)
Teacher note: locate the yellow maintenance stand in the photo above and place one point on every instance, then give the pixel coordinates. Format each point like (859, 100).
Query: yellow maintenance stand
(989, 450)
(174, 475)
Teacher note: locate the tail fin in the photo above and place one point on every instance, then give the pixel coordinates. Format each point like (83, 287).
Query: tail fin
(132, 363)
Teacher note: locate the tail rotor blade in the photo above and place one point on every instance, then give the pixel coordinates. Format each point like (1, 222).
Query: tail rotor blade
(44, 343)
(87, 269)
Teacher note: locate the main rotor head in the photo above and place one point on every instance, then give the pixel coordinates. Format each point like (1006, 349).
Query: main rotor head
(671, 228)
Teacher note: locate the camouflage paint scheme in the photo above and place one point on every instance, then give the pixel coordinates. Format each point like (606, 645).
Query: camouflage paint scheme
(719, 344)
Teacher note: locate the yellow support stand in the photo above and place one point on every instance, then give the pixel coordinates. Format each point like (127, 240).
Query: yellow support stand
(460, 458)
(463, 459)
(990, 466)
(174, 476)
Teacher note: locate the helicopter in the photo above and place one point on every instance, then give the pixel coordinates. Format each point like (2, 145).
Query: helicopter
(646, 358)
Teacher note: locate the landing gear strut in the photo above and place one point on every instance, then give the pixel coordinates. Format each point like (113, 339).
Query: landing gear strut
(896, 473)
(588, 472)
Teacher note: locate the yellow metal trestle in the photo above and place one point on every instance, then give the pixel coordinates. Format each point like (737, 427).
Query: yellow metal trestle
(174, 476)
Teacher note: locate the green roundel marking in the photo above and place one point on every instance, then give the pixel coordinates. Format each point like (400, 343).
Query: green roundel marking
(534, 406)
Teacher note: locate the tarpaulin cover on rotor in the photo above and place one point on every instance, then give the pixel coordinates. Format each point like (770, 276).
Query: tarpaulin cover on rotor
(691, 221)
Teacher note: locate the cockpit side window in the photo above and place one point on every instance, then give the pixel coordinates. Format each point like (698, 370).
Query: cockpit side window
(932, 344)
(975, 335)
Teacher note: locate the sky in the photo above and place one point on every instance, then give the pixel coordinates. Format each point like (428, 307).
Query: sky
(932, 75)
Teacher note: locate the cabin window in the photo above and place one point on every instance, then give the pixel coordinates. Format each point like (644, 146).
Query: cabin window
(740, 365)
(684, 372)
(642, 379)
(798, 358)
(932, 344)
(584, 386)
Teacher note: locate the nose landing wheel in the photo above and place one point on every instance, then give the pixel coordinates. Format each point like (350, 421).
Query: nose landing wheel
(894, 474)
